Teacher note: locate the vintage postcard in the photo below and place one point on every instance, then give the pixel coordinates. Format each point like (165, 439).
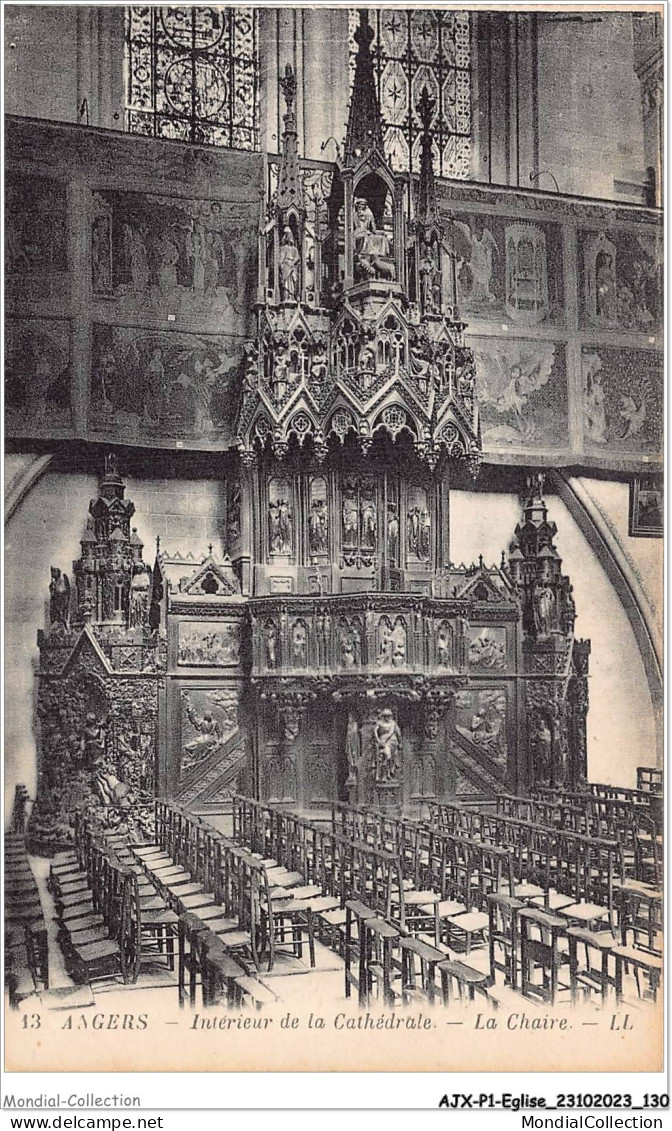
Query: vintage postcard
(333, 539)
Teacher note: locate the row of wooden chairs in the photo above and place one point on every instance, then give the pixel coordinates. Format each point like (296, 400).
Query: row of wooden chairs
(111, 920)
(257, 907)
(26, 948)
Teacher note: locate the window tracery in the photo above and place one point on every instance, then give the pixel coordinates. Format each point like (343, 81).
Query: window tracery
(420, 48)
(192, 74)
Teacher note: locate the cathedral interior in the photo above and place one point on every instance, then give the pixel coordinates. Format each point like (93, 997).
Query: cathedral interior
(333, 505)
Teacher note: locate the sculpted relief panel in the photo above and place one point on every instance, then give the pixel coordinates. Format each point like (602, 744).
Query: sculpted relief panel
(159, 255)
(211, 645)
(155, 385)
(522, 393)
(622, 400)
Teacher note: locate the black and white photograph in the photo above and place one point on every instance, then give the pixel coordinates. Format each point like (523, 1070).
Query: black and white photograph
(333, 531)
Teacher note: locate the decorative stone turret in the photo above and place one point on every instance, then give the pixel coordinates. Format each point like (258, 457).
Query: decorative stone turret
(357, 327)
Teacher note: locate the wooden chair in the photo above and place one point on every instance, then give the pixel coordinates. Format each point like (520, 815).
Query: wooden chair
(541, 956)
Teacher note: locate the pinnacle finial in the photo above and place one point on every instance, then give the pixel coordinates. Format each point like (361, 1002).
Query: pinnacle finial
(425, 107)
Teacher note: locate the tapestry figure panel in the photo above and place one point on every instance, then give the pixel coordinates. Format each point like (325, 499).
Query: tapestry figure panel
(621, 279)
(36, 259)
(622, 400)
(153, 385)
(160, 255)
(509, 269)
(522, 392)
(38, 376)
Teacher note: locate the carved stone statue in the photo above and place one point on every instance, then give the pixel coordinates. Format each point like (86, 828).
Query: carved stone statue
(317, 523)
(387, 754)
(59, 598)
(545, 617)
(353, 751)
(372, 246)
(289, 263)
(271, 646)
(138, 604)
(280, 526)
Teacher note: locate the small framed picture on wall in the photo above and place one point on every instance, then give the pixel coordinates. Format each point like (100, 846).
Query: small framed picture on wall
(646, 506)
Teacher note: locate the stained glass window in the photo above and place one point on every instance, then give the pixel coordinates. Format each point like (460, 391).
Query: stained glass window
(192, 74)
(412, 49)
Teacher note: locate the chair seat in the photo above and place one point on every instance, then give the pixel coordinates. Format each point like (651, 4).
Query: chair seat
(105, 948)
(306, 891)
(207, 911)
(222, 925)
(258, 991)
(198, 899)
(527, 891)
(587, 912)
(470, 921)
(324, 903)
(334, 918)
(162, 916)
(602, 940)
(638, 957)
(182, 888)
(418, 898)
(556, 900)
(445, 908)
(234, 938)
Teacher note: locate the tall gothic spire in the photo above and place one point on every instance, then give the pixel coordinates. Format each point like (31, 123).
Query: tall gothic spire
(427, 210)
(289, 185)
(365, 128)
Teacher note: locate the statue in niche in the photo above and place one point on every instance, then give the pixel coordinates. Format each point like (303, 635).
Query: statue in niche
(595, 411)
(399, 645)
(353, 751)
(418, 533)
(350, 516)
(271, 646)
(465, 376)
(299, 645)
(317, 527)
(392, 533)
(289, 264)
(369, 522)
(350, 641)
(385, 643)
(430, 279)
(420, 365)
(387, 754)
(545, 611)
(59, 599)
(138, 601)
(372, 246)
(282, 376)
(318, 365)
(280, 527)
(443, 648)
